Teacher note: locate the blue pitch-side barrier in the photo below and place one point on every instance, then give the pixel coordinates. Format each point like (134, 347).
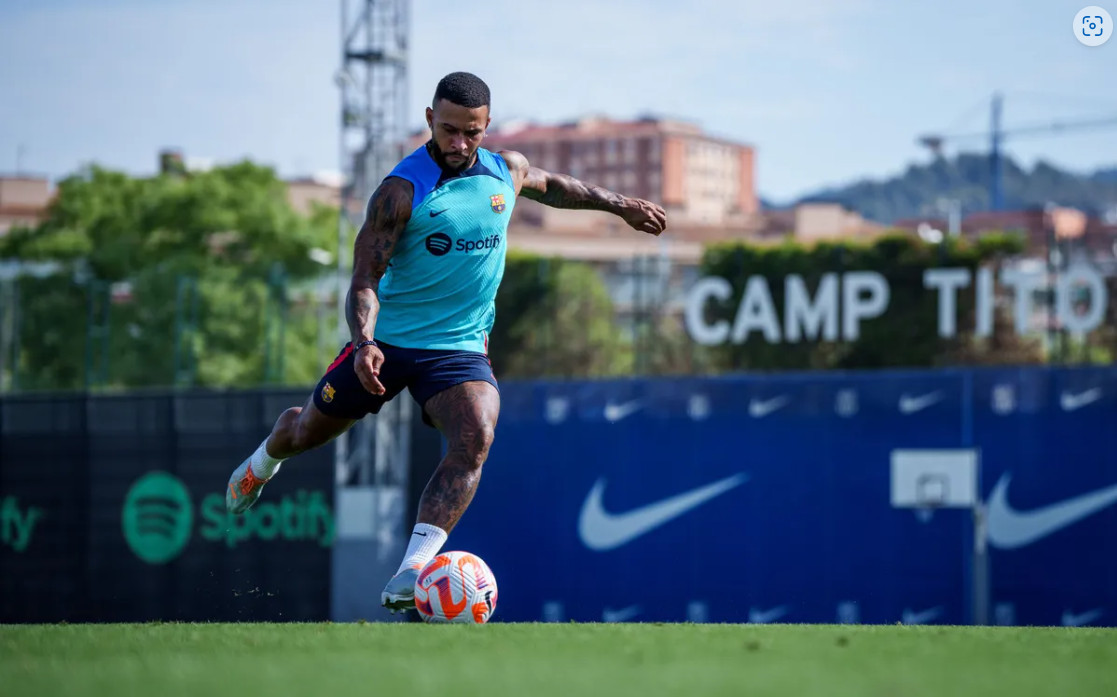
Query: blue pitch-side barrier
(581, 516)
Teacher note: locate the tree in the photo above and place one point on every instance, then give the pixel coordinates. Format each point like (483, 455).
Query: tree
(554, 318)
(166, 279)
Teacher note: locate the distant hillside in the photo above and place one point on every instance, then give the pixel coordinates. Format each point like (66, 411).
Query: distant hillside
(1105, 175)
(966, 177)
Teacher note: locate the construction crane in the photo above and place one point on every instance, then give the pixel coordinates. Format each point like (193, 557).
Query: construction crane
(997, 136)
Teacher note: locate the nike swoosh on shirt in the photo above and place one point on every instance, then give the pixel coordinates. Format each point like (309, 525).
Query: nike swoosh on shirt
(1009, 528)
(602, 531)
(435, 214)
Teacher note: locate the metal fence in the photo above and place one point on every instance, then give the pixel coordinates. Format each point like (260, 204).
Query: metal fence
(61, 331)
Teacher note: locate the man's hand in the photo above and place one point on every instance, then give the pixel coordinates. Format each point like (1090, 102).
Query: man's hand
(367, 363)
(644, 216)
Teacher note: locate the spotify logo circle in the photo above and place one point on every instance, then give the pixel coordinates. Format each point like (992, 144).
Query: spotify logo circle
(438, 244)
(158, 517)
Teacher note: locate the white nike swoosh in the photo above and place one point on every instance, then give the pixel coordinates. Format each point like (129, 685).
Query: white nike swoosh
(1009, 528)
(910, 405)
(601, 530)
(616, 412)
(1071, 402)
(766, 616)
(622, 615)
(760, 408)
(921, 617)
(1072, 620)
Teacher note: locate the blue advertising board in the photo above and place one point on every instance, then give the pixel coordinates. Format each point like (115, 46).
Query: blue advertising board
(767, 498)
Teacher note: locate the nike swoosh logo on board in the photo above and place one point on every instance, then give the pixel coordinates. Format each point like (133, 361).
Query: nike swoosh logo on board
(601, 530)
(1010, 528)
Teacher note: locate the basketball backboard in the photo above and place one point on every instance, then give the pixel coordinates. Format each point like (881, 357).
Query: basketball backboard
(934, 478)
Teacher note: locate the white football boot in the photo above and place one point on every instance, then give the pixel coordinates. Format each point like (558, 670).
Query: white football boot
(399, 594)
(244, 488)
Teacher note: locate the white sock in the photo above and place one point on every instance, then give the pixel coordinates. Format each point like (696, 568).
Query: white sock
(425, 542)
(263, 465)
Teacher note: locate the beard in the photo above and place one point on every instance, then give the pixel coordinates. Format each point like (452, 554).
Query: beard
(440, 158)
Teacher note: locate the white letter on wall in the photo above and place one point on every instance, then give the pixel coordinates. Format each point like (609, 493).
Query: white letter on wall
(854, 307)
(694, 314)
(984, 302)
(948, 281)
(801, 318)
(1099, 297)
(1024, 283)
(756, 312)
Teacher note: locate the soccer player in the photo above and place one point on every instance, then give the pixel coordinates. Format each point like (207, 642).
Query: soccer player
(426, 266)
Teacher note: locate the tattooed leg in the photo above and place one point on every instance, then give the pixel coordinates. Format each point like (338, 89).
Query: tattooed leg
(466, 414)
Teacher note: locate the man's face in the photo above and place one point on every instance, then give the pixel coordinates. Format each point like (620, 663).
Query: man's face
(457, 132)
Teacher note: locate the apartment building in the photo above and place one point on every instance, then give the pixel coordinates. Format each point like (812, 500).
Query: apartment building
(304, 192)
(23, 200)
(701, 180)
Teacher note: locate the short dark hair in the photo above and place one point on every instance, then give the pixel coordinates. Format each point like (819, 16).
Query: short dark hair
(463, 89)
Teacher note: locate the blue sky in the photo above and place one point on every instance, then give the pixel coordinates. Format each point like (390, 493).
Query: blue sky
(828, 91)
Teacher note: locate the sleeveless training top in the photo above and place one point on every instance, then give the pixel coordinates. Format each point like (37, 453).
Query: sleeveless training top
(439, 291)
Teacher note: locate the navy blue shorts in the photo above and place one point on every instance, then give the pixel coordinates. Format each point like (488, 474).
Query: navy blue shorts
(425, 372)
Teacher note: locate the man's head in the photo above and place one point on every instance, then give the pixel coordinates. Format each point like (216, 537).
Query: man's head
(458, 117)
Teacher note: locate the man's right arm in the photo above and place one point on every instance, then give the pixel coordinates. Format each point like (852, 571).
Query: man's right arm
(389, 209)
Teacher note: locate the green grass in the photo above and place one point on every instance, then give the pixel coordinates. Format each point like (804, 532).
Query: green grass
(537, 660)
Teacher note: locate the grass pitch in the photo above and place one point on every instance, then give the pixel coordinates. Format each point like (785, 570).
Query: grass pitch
(538, 660)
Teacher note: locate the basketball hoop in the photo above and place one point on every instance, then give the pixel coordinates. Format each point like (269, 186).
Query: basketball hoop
(931, 493)
(927, 480)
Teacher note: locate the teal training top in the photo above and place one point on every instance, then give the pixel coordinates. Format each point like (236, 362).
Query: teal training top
(439, 291)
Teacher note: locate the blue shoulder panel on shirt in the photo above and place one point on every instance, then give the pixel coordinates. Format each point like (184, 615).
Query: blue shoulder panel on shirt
(496, 163)
(422, 171)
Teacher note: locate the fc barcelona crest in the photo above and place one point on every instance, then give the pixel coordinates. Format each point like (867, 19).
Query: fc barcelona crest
(497, 202)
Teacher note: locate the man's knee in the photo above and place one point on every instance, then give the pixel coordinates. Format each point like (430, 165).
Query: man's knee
(293, 430)
(299, 429)
(474, 442)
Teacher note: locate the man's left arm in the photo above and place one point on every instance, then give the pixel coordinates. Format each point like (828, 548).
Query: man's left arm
(564, 191)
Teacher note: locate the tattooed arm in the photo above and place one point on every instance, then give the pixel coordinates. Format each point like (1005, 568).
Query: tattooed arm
(389, 209)
(564, 191)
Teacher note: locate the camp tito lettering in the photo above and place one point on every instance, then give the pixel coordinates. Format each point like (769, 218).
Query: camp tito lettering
(841, 302)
